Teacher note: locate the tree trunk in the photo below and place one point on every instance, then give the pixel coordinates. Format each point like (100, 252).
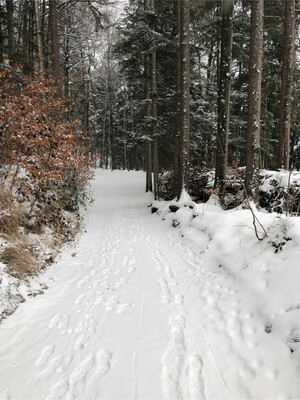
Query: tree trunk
(1, 35)
(154, 111)
(124, 139)
(254, 98)
(39, 36)
(286, 85)
(147, 119)
(67, 60)
(31, 41)
(10, 29)
(147, 114)
(176, 188)
(224, 93)
(43, 31)
(184, 164)
(54, 39)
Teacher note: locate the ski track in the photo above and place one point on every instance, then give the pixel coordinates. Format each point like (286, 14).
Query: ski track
(131, 316)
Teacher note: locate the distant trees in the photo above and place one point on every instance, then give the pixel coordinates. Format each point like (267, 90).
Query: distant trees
(44, 118)
(234, 91)
(125, 81)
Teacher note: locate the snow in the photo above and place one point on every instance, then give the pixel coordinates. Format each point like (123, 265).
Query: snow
(141, 310)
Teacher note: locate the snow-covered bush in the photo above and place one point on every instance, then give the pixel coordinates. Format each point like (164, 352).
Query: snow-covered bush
(279, 190)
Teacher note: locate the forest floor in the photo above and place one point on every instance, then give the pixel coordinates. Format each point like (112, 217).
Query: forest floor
(140, 310)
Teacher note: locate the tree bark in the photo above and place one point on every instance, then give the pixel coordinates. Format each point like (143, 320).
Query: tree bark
(125, 166)
(10, 29)
(1, 35)
(39, 36)
(224, 93)
(54, 39)
(254, 99)
(147, 113)
(184, 166)
(176, 179)
(154, 110)
(147, 119)
(286, 85)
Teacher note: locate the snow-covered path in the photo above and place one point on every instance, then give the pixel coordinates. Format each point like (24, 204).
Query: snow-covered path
(133, 313)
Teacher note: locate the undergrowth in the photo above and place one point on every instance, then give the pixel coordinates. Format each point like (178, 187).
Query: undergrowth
(35, 222)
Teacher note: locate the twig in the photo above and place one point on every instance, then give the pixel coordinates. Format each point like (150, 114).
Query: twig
(288, 194)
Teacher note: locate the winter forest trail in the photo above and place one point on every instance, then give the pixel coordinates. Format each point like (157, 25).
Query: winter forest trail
(133, 313)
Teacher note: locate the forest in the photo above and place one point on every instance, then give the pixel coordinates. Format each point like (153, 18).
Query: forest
(149, 199)
(178, 87)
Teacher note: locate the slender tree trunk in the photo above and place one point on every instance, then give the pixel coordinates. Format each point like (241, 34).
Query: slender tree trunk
(254, 98)
(154, 126)
(286, 85)
(111, 131)
(147, 119)
(176, 189)
(43, 26)
(25, 37)
(104, 140)
(111, 128)
(31, 41)
(1, 35)
(39, 36)
(54, 38)
(184, 164)
(224, 93)
(147, 114)
(10, 29)
(124, 139)
(154, 110)
(67, 61)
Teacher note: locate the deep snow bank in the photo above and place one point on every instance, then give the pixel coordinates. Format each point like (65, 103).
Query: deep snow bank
(270, 268)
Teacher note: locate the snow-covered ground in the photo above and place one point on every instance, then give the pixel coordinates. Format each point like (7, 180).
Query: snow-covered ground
(140, 310)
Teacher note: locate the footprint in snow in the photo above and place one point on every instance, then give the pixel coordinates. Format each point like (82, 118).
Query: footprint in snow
(46, 353)
(196, 379)
(103, 358)
(122, 282)
(111, 304)
(60, 321)
(124, 308)
(79, 376)
(55, 365)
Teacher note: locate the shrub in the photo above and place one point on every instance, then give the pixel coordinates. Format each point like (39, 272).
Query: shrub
(36, 135)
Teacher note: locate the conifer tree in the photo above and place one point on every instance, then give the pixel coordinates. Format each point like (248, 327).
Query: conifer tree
(224, 93)
(254, 98)
(286, 85)
(184, 155)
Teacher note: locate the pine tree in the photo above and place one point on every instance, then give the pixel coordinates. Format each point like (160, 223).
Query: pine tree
(286, 85)
(184, 164)
(224, 93)
(254, 98)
